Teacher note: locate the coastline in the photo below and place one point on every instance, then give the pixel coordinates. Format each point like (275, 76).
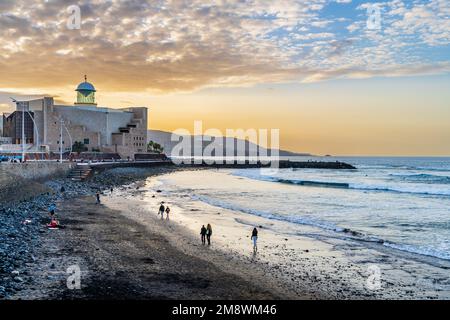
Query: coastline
(308, 263)
(122, 259)
(125, 252)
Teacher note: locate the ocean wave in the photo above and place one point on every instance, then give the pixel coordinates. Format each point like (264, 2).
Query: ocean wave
(423, 178)
(344, 233)
(267, 215)
(419, 189)
(349, 233)
(314, 183)
(425, 251)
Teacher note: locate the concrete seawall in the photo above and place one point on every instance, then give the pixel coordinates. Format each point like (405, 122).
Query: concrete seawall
(35, 170)
(20, 181)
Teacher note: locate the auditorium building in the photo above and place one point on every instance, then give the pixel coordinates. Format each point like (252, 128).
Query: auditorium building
(97, 129)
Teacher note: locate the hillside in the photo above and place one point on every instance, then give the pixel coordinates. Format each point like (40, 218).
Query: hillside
(164, 138)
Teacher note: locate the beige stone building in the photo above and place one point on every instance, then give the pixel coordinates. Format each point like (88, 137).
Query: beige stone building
(122, 131)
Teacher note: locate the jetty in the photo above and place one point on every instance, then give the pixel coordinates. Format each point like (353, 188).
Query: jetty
(235, 164)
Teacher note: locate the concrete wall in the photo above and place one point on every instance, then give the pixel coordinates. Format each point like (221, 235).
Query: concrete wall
(115, 121)
(20, 181)
(77, 132)
(34, 170)
(97, 121)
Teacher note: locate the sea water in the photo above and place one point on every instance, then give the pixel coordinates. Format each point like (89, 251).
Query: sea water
(400, 203)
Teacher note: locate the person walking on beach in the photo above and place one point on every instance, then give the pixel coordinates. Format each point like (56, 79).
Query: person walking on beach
(208, 233)
(161, 210)
(167, 212)
(254, 238)
(97, 196)
(203, 234)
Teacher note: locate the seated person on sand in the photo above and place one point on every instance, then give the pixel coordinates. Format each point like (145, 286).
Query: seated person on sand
(53, 224)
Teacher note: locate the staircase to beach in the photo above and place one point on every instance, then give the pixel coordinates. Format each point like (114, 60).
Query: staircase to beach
(80, 173)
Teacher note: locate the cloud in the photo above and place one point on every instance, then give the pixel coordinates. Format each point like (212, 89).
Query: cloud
(4, 108)
(164, 46)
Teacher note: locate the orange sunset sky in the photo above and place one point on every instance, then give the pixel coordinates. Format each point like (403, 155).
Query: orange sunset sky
(312, 69)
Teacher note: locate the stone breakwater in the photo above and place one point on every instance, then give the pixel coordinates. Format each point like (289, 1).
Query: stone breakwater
(282, 164)
(23, 220)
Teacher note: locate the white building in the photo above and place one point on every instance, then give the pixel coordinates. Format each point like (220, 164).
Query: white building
(122, 131)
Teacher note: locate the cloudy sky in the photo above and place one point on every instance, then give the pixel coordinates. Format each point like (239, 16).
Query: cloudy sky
(337, 76)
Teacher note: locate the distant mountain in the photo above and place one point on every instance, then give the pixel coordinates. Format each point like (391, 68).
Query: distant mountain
(164, 139)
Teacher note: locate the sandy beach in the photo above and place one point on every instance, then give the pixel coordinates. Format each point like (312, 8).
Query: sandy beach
(125, 251)
(311, 267)
(120, 258)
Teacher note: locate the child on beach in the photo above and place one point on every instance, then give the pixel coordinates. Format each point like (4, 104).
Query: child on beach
(51, 210)
(203, 234)
(161, 210)
(254, 238)
(167, 212)
(208, 233)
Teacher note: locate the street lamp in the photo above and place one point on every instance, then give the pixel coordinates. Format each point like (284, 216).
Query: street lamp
(61, 121)
(22, 105)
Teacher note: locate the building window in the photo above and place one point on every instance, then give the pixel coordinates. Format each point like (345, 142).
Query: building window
(86, 141)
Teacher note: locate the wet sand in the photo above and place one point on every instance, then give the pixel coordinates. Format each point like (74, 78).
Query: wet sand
(303, 263)
(124, 251)
(122, 259)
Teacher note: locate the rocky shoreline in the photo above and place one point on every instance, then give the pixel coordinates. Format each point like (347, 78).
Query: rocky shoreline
(24, 217)
(119, 258)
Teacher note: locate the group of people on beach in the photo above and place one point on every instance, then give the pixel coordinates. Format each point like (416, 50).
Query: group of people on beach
(163, 209)
(206, 234)
(54, 223)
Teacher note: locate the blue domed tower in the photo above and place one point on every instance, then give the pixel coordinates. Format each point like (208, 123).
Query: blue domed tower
(85, 93)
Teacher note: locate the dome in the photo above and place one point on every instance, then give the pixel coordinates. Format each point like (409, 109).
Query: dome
(85, 86)
(85, 93)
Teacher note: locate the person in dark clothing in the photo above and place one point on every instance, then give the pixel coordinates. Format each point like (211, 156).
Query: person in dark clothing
(254, 238)
(161, 211)
(203, 234)
(97, 196)
(167, 212)
(208, 233)
(51, 210)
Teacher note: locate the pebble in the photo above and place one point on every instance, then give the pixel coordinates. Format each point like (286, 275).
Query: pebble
(19, 242)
